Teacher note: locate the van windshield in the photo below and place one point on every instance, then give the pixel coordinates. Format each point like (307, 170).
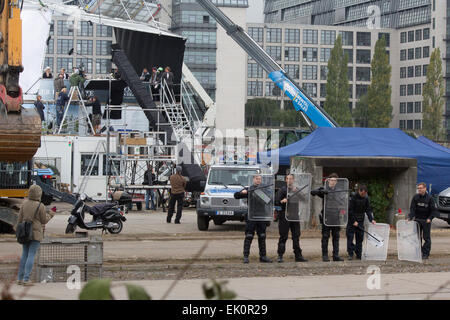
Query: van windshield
(230, 176)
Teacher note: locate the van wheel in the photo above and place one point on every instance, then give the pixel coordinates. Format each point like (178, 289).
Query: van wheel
(202, 223)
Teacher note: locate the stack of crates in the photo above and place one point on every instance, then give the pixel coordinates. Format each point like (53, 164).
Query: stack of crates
(60, 258)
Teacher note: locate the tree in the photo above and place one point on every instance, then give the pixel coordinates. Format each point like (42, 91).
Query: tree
(261, 112)
(337, 100)
(379, 108)
(433, 99)
(361, 112)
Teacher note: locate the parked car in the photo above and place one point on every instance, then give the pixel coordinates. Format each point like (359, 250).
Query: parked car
(443, 205)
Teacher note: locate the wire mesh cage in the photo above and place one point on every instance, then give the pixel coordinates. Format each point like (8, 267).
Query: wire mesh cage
(59, 258)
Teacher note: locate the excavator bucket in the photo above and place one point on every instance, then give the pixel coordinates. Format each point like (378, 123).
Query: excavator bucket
(20, 135)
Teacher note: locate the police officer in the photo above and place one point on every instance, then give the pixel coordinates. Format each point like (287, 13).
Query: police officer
(284, 225)
(326, 230)
(423, 210)
(252, 226)
(358, 207)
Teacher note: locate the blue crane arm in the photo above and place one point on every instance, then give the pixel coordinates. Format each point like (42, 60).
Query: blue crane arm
(301, 100)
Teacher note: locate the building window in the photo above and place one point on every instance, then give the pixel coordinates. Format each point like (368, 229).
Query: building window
(402, 124)
(426, 33)
(328, 37)
(66, 63)
(64, 29)
(272, 90)
(418, 107)
(418, 53)
(254, 70)
(402, 90)
(102, 66)
(85, 47)
(363, 56)
(104, 31)
(64, 45)
(419, 35)
(309, 72)
(402, 107)
(362, 74)
(410, 107)
(310, 36)
(409, 125)
(292, 54)
(410, 72)
(325, 54)
(347, 38)
(410, 89)
(274, 52)
(426, 52)
(417, 124)
(323, 90)
(311, 89)
(309, 54)
(273, 35)
(292, 36)
(85, 161)
(403, 55)
(425, 69)
(403, 38)
(418, 89)
(86, 29)
(50, 47)
(293, 70)
(402, 72)
(200, 37)
(323, 72)
(103, 47)
(254, 88)
(411, 54)
(257, 34)
(349, 53)
(411, 36)
(363, 39)
(418, 71)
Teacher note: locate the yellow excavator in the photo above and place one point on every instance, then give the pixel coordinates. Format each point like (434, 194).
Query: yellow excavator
(20, 128)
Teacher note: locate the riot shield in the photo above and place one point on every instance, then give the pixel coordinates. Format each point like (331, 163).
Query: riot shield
(408, 241)
(376, 241)
(335, 208)
(298, 197)
(261, 197)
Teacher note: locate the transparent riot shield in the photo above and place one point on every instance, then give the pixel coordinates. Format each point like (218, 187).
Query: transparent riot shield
(335, 210)
(261, 197)
(376, 241)
(298, 197)
(408, 241)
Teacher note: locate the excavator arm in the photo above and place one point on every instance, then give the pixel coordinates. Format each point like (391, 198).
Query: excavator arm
(20, 128)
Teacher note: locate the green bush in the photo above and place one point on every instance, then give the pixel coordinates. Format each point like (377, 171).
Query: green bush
(381, 192)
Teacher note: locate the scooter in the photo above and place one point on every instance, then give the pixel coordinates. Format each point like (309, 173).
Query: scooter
(107, 216)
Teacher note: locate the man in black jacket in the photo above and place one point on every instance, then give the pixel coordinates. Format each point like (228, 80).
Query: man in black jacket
(40, 107)
(326, 230)
(252, 226)
(284, 225)
(149, 178)
(359, 206)
(423, 210)
(96, 113)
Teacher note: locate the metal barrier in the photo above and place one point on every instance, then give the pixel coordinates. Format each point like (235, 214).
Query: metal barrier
(56, 257)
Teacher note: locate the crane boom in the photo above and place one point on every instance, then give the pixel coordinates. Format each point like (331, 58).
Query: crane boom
(301, 100)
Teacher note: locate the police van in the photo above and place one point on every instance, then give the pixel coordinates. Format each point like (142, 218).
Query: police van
(217, 202)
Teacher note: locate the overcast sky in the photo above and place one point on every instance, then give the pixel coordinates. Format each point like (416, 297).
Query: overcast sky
(255, 11)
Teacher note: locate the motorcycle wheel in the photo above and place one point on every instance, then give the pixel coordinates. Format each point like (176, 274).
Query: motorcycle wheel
(117, 229)
(70, 228)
